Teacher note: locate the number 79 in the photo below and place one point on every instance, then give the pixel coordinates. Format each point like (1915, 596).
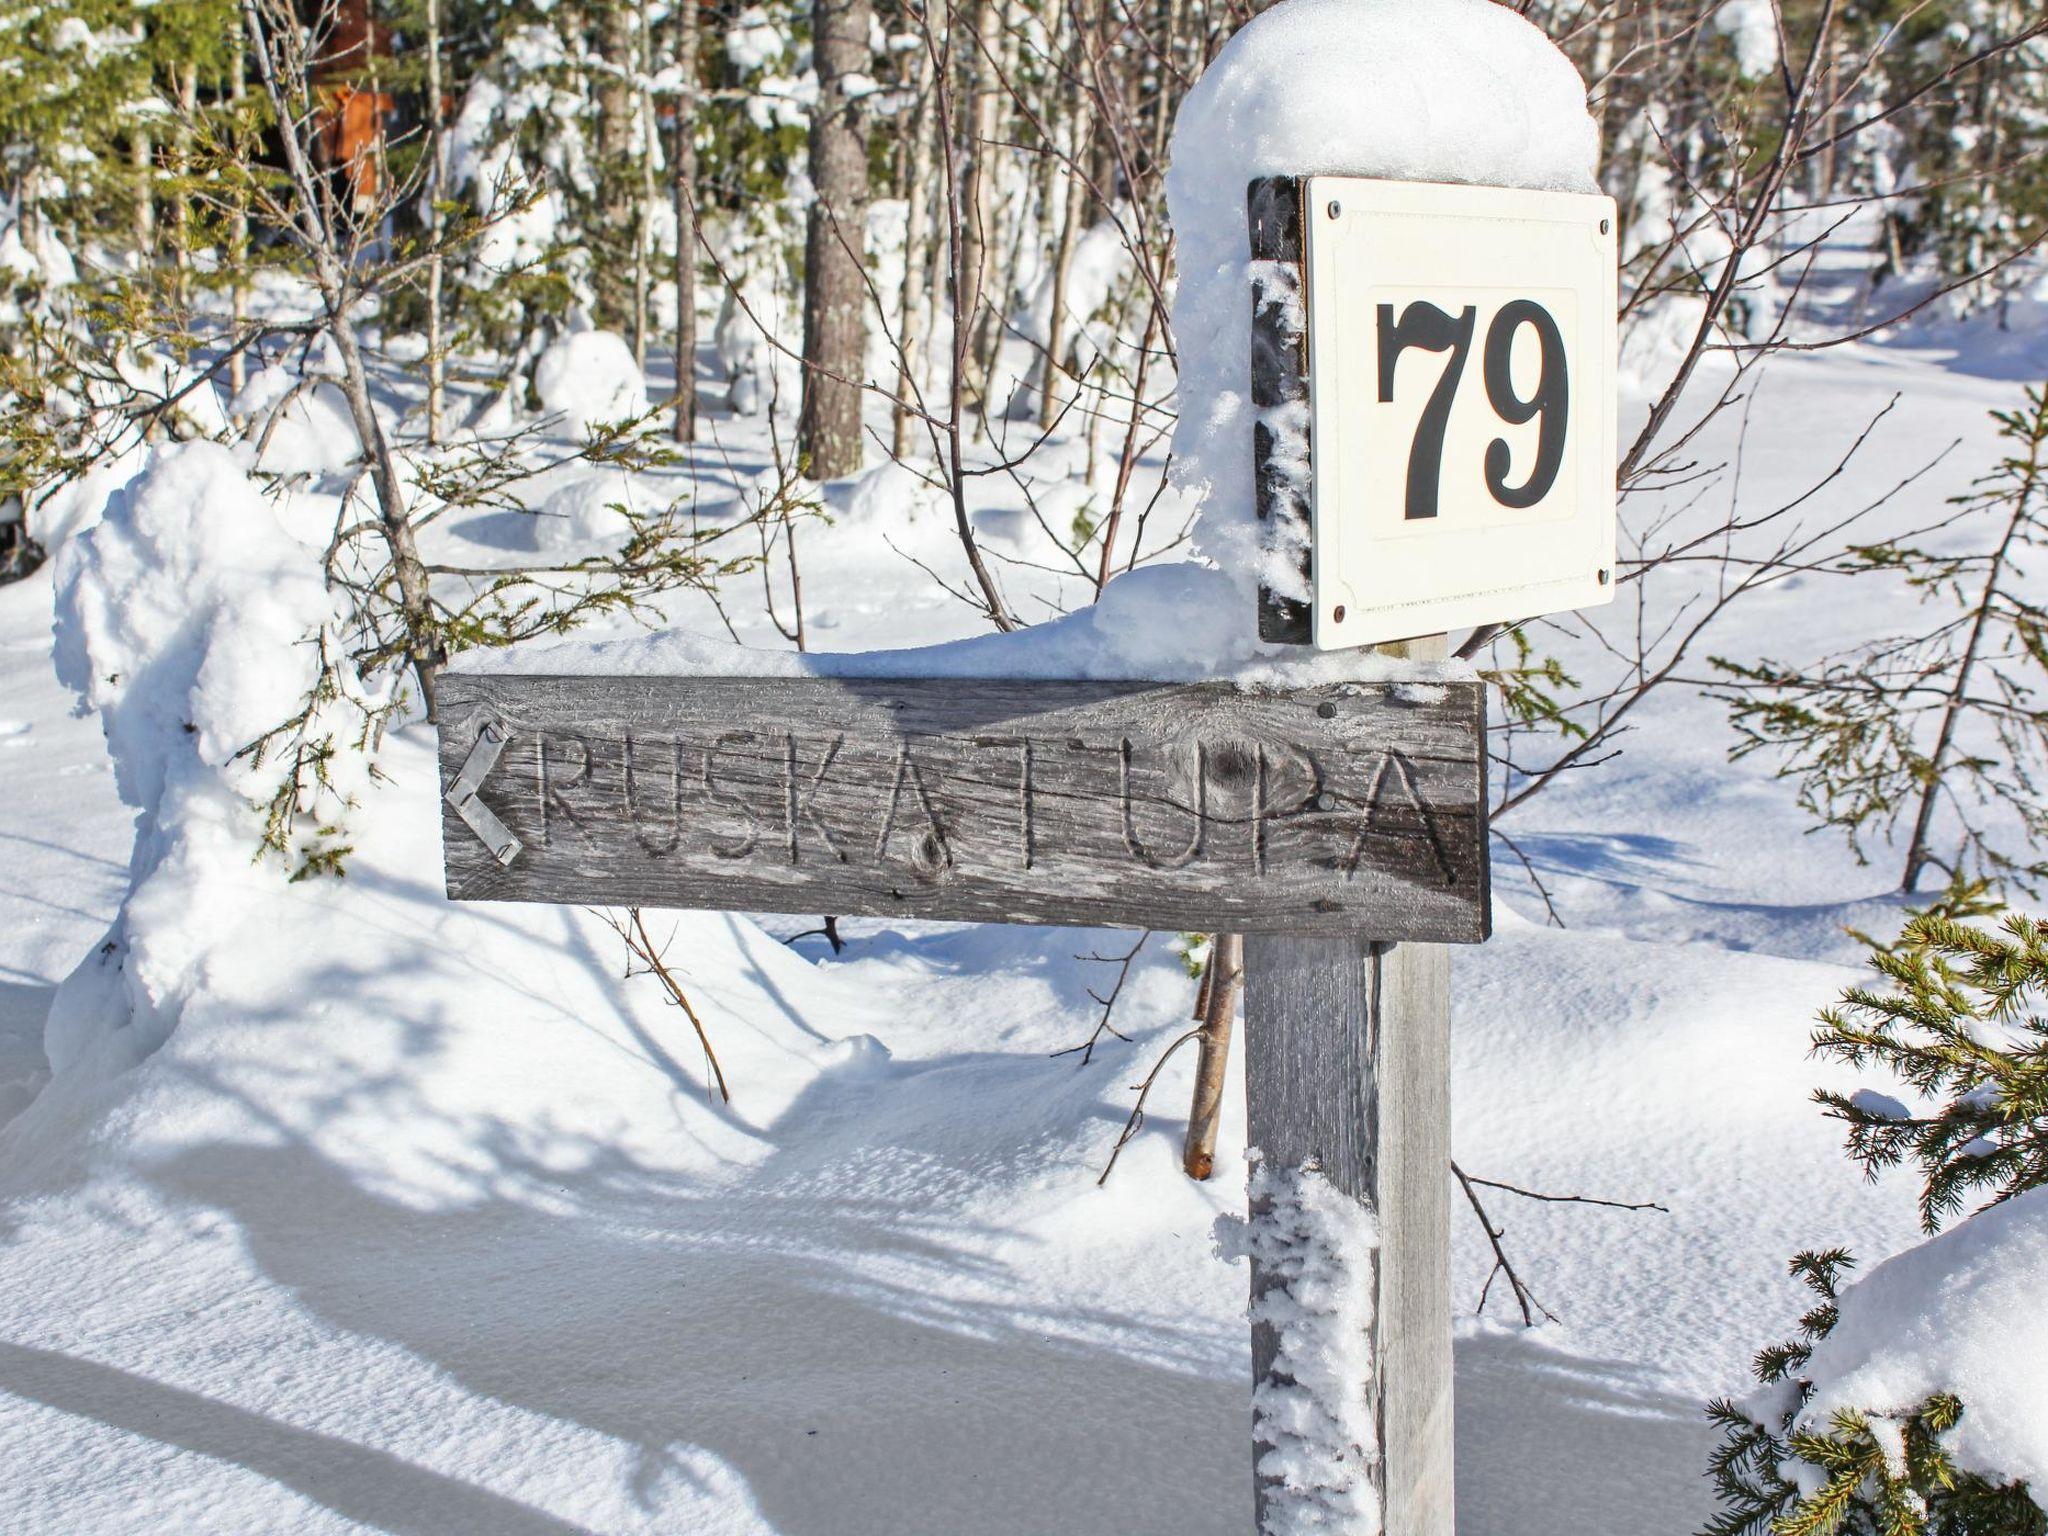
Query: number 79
(1424, 326)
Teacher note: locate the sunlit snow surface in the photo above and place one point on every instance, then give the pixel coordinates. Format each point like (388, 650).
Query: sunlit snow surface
(421, 1220)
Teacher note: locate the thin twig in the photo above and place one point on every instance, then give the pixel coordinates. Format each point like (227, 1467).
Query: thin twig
(1537, 1194)
(1137, 1120)
(632, 928)
(1123, 964)
(1524, 1297)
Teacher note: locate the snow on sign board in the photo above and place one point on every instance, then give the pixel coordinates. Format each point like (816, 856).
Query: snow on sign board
(1458, 369)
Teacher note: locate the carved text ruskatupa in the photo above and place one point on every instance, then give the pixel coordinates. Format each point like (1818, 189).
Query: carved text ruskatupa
(1201, 806)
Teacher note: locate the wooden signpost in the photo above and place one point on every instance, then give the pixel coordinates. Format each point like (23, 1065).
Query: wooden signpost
(1341, 828)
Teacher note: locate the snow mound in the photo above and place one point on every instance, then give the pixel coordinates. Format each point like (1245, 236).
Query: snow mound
(589, 377)
(189, 618)
(1408, 90)
(293, 429)
(890, 497)
(1961, 1313)
(1752, 27)
(589, 510)
(69, 508)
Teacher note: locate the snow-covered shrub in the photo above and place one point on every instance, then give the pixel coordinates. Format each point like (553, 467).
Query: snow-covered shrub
(1912, 1403)
(1793, 1465)
(588, 379)
(194, 623)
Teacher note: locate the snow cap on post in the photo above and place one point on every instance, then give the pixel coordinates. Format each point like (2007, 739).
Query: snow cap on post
(1407, 90)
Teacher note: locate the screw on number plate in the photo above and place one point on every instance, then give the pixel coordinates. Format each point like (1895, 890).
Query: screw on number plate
(1604, 576)
(1605, 226)
(1335, 209)
(1337, 614)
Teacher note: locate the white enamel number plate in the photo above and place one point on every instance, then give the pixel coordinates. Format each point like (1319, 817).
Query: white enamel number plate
(1461, 374)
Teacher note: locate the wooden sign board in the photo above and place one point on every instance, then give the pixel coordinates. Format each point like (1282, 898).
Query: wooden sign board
(1450, 355)
(1207, 807)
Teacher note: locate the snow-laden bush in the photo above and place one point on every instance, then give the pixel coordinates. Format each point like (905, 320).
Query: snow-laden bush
(589, 379)
(590, 509)
(194, 623)
(1912, 1403)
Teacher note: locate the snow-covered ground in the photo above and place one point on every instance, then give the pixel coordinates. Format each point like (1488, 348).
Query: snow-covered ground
(422, 1221)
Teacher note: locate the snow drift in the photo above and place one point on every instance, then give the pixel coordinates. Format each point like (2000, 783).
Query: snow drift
(1962, 1314)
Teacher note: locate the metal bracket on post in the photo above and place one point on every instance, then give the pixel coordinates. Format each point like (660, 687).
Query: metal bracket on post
(463, 800)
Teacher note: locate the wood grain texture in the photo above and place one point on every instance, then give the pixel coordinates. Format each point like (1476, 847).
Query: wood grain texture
(1347, 1065)
(1352, 808)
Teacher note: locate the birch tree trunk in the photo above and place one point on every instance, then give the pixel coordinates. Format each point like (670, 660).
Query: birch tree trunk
(979, 71)
(683, 178)
(437, 191)
(835, 293)
(643, 205)
(181, 205)
(238, 249)
(140, 156)
(918, 242)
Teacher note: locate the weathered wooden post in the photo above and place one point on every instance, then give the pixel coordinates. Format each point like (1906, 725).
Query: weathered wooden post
(1347, 1039)
(1347, 1070)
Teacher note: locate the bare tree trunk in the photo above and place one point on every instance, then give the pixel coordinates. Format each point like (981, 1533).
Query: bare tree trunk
(1222, 987)
(314, 230)
(181, 205)
(238, 250)
(683, 174)
(1127, 460)
(982, 101)
(1918, 854)
(643, 205)
(437, 191)
(957, 283)
(618, 132)
(1053, 364)
(918, 243)
(139, 159)
(835, 293)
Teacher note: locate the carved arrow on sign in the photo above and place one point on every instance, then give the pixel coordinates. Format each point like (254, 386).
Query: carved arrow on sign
(462, 795)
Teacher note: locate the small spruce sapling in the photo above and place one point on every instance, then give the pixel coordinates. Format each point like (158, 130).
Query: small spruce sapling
(1955, 1025)
(1949, 716)
(1960, 1022)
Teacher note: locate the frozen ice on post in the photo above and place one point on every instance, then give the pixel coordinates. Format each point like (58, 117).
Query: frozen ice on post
(1315, 1414)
